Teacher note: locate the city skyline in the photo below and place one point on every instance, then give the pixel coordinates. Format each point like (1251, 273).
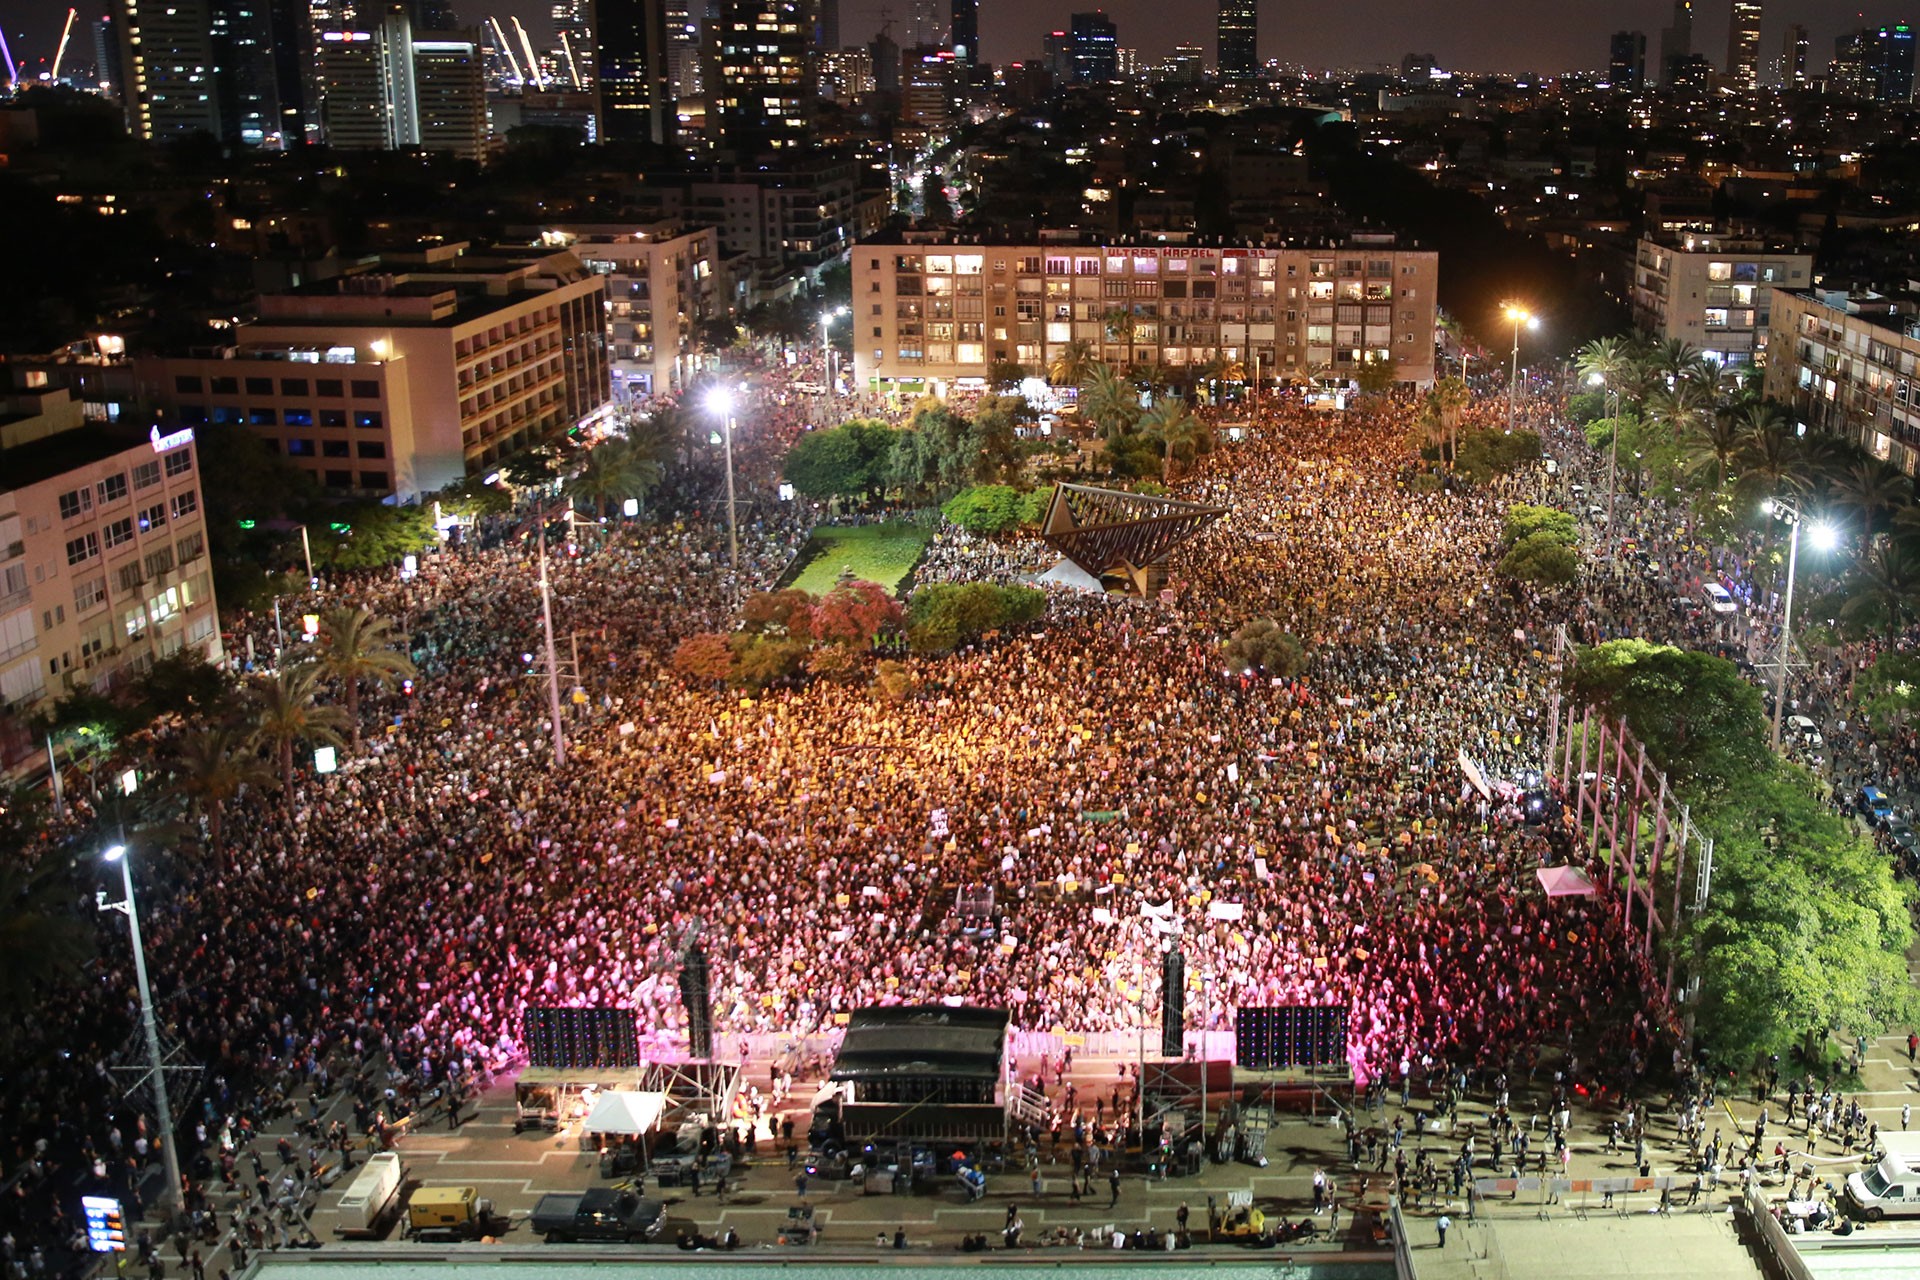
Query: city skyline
(1517, 35)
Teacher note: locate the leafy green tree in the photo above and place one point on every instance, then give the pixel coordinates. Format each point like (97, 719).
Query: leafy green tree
(1484, 455)
(183, 684)
(989, 509)
(943, 615)
(1376, 375)
(992, 436)
(1005, 374)
(762, 660)
(845, 462)
(1888, 692)
(1700, 719)
(1542, 558)
(894, 680)
(371, 535)
(1524, 520)
(1261, 645)
(358, 646)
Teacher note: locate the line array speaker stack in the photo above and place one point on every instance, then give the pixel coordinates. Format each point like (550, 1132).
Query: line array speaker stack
(581, 1039)
(1173, 1003)
(1286, 1037)
(699, 1006)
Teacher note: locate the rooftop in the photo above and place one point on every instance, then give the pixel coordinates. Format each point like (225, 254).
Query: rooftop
(38, 461)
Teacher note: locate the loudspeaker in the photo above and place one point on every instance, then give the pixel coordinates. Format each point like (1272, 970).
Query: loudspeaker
(693, 995)
(1173, 1004)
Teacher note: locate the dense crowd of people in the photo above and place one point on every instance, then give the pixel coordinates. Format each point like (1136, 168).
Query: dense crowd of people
(1309, 836)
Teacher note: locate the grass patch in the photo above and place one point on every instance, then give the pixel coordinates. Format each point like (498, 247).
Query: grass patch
(882, 553)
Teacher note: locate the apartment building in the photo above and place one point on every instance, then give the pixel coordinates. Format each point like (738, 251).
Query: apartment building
(931, 311)
(1711, 290)
(410, 371)
(1850, 364)
(103, 551)
(663, 280)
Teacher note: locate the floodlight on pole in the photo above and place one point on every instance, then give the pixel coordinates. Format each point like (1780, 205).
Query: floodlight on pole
(720, 400)
(1519, 315)
(1824, 538)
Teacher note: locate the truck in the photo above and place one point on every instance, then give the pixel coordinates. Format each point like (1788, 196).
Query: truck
(444, 1214)
(600, 1213)
(373, 1197)
(1891, 1188)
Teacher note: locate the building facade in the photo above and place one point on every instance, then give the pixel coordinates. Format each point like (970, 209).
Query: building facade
(1238, 32)
(450, 92)
(407, 374)
(1094, 47)
(1713, 291)
(1743, 44)
(103, 552)
(662, 282)
(763, 76)
(167, 68)
(930, 311)
(631, 60)
(1849, 366)
(1627, 59)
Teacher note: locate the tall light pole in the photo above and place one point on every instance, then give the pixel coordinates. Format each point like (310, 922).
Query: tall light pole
(1824, 538)
(553, 668)
(1613, 445)
(720, 400)
(155, 1062)
(1520, 316)
(826, 341)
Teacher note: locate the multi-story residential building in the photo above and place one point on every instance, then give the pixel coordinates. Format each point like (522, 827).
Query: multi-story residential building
(791, 222)
(763, 78)
(1710, 290)
(167, 61)
(931, 311)
(410, 372)
(103, 551)
(662, 281)
(1850, 365)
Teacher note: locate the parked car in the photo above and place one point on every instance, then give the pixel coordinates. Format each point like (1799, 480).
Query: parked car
(600, 1213)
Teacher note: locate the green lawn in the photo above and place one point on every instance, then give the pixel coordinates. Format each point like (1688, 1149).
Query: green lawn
(882, 553)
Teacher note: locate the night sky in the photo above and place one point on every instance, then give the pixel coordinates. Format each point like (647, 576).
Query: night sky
(1543, 36)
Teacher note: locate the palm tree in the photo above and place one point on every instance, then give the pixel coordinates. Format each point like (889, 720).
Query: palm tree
(213, 765)
(1182, 436)
(1715, 445)
(1772, 458)
(1071, 364)
(356, 645)
(1448, 403)
(1109, 401)
(1871, 486)
(1671, 359)
(42, 938)
(617, 469)
(1119, 325)
(1684, 409)
(1608, 360)
(286, 715)
(1883, 588)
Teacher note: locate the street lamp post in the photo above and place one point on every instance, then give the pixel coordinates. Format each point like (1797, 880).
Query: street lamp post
(826, 342)
(720, 400)
(1519, 315)
(155, 1063)
(1613, 444)
(1788, 509)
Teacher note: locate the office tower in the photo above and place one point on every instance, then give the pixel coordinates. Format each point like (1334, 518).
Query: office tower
(884, 52)
(1094, 41)
(1627, 59)
(450, 92)
(168, 69)
(1057, 53)
(369, 102)
(1676, 41)
(965, 32)
(1743, 44)
(106, 55)
(1793, 57)
(246, 85)
(927, 80)
(757, 97)
(826, 25)
(1890, 63)
(573, 29)
(631, 62)
(1238, 32)
(431, 15)
(293, 72)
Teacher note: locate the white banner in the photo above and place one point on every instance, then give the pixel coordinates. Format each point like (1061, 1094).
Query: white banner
(1474, 776)
(1217, 910)
(1164, 910)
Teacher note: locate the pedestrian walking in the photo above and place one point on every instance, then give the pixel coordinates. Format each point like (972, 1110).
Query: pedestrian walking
(1441, 1224)
(1113, 1184)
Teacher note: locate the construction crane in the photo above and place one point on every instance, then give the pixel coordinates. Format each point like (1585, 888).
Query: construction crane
(533, 63)
(506, 47)
(61, 52)
(573, 68)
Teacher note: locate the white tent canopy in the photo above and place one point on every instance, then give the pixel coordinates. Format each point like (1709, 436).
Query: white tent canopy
(621, 1111)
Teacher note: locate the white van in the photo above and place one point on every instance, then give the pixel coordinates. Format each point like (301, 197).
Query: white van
(1718, 598)
(1892, 1187)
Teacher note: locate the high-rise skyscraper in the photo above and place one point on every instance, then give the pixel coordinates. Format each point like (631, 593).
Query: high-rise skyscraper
(573, 28)
(293, 72)
(1094, 42)
(826, 25)
(450, 92)
(1238, 32)
(1743, 44)
(168, 69)
(763, 79)
(964, 33)
(1627, 59)
(1793, 57)
(246, 88)
(1676, 41)
(431, 15)
(631, 63)
(369, 102)
(1890, 63)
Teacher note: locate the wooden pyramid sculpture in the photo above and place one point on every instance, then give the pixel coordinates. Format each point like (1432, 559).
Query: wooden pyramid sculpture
(1110, 533)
